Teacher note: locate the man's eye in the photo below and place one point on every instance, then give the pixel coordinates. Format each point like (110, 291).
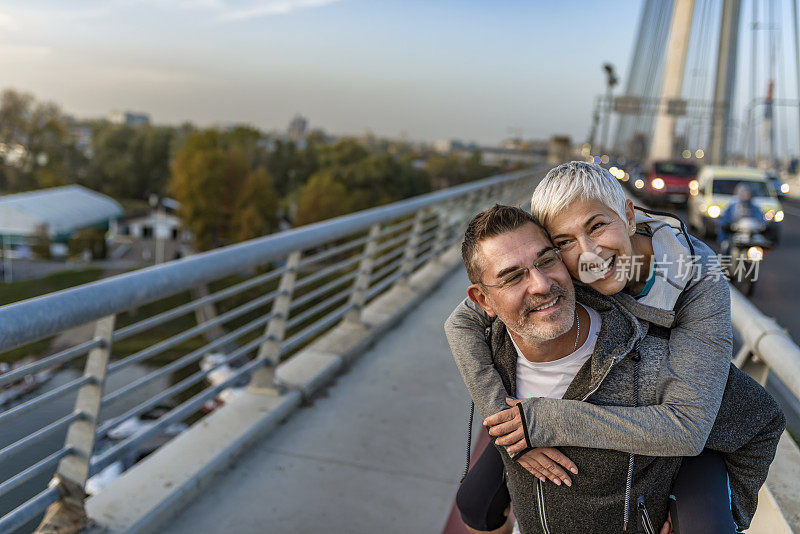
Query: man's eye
(514, 278)
(547, 262)
(564, 244)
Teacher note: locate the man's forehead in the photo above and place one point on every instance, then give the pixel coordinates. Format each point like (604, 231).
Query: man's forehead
(517, 246)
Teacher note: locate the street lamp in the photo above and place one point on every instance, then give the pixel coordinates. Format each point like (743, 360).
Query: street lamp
(611, 81)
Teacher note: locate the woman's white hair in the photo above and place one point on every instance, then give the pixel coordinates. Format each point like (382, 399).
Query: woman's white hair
(576, 180)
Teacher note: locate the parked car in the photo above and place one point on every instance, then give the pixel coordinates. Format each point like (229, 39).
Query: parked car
(715, 190)
(666, 182)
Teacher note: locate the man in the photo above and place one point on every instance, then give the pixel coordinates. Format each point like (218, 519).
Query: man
(518, 277)
(741, 207)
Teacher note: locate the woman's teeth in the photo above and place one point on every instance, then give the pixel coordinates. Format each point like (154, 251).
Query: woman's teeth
(603, 267)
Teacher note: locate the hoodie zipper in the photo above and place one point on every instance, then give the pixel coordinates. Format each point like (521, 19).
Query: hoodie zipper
(629, 483)
(644, 517)
(540, 504)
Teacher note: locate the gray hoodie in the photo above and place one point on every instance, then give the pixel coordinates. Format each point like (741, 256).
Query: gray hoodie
(693, 370)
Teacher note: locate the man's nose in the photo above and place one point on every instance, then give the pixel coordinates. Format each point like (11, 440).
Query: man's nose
(538, 283)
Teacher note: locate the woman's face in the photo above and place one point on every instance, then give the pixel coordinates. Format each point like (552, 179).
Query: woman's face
(595, 244)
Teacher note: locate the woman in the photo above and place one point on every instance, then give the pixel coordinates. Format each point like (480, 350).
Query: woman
(662, 275)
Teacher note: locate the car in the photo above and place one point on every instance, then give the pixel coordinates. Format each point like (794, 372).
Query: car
(666, 182)
(714, 190)
(781, 188)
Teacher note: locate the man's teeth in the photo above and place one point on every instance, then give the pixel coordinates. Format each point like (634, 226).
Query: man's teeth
(603, 267)
(548, 305)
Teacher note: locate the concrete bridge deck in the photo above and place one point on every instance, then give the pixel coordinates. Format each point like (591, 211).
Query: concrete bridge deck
(381, 451)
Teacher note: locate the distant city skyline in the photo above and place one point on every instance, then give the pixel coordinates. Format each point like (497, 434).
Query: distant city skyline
(464, 69)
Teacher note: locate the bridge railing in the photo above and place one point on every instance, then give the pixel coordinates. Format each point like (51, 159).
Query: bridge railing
(251, 305)
(766, 348)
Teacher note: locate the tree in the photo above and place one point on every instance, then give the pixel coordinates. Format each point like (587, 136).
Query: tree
(130, 162)
(255, 208)
(35, 143)
(88, 239)
(321, 198)
(198, 183)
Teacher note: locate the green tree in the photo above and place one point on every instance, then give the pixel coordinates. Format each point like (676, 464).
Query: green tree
(36, 144)
(323, 197)
(255, 208)
(130, 162)
(198, 183)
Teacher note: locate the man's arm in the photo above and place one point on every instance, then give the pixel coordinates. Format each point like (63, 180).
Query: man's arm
(691, 383)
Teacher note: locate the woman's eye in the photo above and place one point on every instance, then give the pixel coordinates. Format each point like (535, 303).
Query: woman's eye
(595, 227)
(563, 244)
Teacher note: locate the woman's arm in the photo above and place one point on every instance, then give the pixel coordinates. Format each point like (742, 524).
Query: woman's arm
(691, 383)
(466, 333)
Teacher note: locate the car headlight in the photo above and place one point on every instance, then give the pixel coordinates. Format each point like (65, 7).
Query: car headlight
(657, 183)
(639, 183)
(755, 253)
(784, 188)
(693, 185)
(769, 215)
(779, 216)
(713, 211)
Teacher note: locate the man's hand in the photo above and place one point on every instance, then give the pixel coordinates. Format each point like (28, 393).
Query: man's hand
(543, 463)
(506, 426)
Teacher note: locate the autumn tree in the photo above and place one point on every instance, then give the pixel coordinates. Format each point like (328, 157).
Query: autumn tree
(323, 197)
(198, 183)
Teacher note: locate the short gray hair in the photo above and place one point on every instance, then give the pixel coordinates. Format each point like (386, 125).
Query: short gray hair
(576, 180)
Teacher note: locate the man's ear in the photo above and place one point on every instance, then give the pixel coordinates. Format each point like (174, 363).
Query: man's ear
(476, 294)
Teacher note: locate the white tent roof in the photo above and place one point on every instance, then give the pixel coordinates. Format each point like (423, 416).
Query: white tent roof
(63, 209)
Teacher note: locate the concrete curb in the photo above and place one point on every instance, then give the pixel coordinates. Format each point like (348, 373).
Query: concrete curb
(145, 497)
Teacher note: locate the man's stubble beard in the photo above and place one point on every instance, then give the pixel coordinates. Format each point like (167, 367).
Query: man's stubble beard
(537, 331)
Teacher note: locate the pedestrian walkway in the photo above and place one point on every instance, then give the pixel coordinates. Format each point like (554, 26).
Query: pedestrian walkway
(381, 451)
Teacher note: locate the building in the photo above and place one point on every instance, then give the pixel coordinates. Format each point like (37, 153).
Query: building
(298, 129)
(128, 118)
(58, 211)
(157, 235)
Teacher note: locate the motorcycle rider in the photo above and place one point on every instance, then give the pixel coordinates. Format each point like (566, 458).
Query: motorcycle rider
(741, 207)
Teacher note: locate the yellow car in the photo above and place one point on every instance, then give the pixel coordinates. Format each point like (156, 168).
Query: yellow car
(713, 190)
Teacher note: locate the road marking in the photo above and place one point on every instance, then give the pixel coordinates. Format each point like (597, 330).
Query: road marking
(792, 211)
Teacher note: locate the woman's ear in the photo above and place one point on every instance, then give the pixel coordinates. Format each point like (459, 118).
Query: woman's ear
(630, 217)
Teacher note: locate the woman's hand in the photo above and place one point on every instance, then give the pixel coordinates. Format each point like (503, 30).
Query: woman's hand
(543, 463)
(506, 426)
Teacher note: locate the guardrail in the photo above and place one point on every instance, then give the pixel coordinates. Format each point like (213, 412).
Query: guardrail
(766, 348)
(254, 303)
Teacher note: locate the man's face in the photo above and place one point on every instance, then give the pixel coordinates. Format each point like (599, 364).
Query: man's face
(541, 306)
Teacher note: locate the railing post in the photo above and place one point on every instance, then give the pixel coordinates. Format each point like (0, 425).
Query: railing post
(359, 296)
(206, 312)
(73, 469)
(443, 230)
(263, 379)
(410, 253)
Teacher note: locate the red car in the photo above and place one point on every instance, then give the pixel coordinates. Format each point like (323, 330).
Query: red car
(667, 182)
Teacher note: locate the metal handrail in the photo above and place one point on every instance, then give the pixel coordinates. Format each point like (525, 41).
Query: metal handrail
(33, 319)
(312, 296)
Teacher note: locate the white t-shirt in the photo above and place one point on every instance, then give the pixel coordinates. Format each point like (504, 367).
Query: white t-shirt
(551, 379)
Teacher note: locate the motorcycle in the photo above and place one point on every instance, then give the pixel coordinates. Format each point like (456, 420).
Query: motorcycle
(748, 243)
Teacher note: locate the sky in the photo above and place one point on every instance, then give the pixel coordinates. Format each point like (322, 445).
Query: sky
(436, 69)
